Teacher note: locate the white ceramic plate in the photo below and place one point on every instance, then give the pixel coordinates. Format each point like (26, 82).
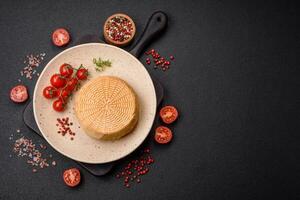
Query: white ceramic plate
(83, 148)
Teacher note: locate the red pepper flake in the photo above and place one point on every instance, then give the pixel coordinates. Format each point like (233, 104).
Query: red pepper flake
(31, 63)
(119, 28)
(158, 60)
(64, 127)
(136, 168)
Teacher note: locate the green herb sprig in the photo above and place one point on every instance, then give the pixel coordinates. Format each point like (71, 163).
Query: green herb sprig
(101, 64)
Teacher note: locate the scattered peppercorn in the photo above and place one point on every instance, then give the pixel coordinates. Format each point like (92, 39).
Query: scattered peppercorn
(136, 168)
(158, 60)
(64, 127)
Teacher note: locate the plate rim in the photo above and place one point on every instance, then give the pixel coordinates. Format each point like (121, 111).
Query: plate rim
(40, 78)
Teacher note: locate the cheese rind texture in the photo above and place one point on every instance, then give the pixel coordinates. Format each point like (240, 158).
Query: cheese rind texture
(107, 108)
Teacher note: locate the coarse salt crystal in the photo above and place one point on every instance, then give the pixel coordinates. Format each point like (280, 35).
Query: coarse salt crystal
(32, 62)
(26, 148)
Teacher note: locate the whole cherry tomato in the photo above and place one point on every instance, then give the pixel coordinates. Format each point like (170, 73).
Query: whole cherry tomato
(58, 105)
(66, 70)
(72, 84)
(58, 81)
(65, 94)
(82, 73)
(50, 92)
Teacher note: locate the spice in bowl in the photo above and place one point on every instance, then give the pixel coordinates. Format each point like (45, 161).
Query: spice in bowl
(119, 29)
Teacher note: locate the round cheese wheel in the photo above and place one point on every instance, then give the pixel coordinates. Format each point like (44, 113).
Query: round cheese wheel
(107, 108)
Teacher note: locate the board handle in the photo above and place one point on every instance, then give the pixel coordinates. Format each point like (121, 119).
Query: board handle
(156, 24)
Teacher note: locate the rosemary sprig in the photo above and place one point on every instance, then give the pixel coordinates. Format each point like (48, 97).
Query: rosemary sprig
(101, 64)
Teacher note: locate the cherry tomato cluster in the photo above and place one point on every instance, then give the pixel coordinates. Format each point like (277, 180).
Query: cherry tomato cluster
(163, 134)
(63, 84)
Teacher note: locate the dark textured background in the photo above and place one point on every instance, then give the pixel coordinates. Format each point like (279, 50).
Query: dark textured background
(234, 81)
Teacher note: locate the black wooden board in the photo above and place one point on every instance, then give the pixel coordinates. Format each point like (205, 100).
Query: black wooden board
(151, 30)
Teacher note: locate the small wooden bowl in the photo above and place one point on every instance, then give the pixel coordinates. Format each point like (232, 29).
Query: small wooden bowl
(114, 42)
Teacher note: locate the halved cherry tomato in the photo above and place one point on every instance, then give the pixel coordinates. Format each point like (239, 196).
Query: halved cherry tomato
(72, 84)
(66, 70)
(60, 37)
(72, 177)
(58, 105)
(19, 94)
(50, 92)
(168, 114)
(58, 81)
(65, 94)
(82, 73)
(163, 135)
